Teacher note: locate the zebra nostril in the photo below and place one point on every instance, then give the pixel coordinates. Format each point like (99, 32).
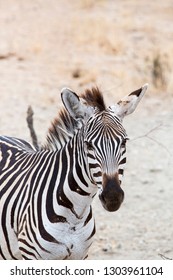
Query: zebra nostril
(101, 197)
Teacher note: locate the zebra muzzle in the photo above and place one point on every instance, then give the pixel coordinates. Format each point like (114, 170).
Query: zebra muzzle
(112, 195)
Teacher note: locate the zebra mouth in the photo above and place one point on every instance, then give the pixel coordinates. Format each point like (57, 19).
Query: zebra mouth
(110, 205)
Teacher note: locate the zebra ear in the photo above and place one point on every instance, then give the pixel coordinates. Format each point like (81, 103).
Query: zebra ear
(128, 104)
(73, 105)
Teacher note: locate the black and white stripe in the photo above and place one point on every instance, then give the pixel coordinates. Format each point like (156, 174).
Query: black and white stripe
(39, 199)
(46, 194)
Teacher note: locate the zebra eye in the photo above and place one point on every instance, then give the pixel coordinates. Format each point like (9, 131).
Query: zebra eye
(89, 145)
(124, 142)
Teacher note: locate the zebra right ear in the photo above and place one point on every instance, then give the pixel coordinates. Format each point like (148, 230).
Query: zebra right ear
(73, 105)
(128, 104)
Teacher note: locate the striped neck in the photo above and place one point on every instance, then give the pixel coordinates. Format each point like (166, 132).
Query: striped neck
(75, 190)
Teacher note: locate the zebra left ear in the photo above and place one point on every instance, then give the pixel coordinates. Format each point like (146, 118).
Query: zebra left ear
(128, 104)
(73, 105)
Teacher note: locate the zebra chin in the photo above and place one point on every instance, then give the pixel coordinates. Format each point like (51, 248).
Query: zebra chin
(112, 195)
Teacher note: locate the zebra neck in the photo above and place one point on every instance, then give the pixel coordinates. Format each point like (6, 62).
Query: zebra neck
(75, 191)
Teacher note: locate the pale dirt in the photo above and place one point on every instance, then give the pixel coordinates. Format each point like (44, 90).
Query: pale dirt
(46, 45)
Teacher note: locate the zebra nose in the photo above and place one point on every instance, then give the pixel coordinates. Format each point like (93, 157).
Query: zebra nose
(112, 195)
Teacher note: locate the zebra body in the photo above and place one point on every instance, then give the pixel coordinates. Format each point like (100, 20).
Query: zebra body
(46, 194)
(34, 185)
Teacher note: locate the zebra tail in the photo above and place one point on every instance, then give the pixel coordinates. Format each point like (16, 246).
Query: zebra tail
(29, 120)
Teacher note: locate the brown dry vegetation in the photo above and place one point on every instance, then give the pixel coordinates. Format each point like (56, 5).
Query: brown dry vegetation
(117, 45)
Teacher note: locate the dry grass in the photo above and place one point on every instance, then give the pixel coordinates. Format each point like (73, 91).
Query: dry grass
(88, 4)
(125, 40)
(95, 34)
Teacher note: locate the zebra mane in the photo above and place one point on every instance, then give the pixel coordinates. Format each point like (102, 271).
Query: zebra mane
(64, 127)
(94, 98)
(61, 130)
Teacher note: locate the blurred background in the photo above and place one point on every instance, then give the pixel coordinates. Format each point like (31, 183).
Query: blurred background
(117, 45)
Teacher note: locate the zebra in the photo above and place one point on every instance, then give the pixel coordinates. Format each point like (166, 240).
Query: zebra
(46, 193)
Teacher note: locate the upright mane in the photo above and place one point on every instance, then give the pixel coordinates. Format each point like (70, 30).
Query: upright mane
(64, 127)
(94, 98)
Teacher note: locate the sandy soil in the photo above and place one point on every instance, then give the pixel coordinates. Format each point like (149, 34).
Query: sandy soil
(119, 46)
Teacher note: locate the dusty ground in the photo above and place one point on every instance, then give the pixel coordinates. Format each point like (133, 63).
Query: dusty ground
(118, 45)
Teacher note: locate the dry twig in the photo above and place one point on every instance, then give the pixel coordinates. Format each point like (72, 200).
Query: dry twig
(164, 258)
(147, 135)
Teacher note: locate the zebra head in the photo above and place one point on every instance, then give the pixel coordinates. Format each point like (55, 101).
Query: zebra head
(104, 139)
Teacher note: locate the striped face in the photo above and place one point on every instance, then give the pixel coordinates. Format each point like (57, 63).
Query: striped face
(104, 138)
(105, 144)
